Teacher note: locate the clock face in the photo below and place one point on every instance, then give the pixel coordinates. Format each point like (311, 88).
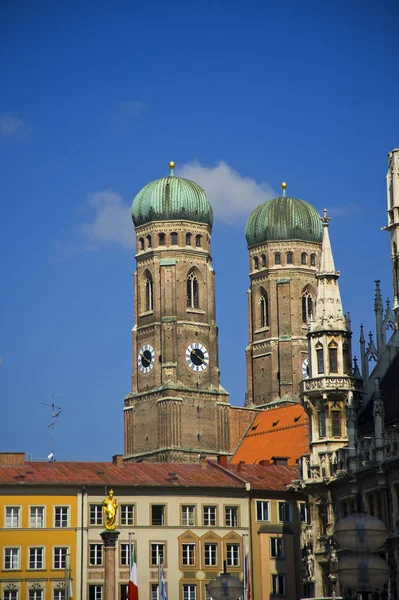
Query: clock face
(305, 369)
(146, 358)
(197, 357)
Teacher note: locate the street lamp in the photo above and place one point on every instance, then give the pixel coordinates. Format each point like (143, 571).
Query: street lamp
(225, 586)
(362, 534)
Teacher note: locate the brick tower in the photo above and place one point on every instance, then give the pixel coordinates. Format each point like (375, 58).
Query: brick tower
(177, 409)
(284, 243)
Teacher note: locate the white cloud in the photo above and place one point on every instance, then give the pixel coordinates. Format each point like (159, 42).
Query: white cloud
(111, 222)
(231, 194)
(11, 127)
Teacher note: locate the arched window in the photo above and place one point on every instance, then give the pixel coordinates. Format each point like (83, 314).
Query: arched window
(333, 357)
(198, 240)
(149, 241)
(188, 239)
(173, 238)
(264, 309)
(304, 258)
(307, 306)
(161, 239)
(192, 291)
(346, 359)
(141, 241)
(256, 262)
(289, 258)
(148, 292)
(263, 260)
(313, 260)
(320, 358)
(277, 258)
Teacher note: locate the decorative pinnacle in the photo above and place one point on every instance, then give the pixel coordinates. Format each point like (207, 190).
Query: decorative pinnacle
(172, 165)
(284, 186)
(324, 219)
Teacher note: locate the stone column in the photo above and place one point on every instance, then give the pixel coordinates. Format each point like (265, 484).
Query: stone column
(109, 538)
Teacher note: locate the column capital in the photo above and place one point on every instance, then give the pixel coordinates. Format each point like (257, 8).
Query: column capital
(109, 538)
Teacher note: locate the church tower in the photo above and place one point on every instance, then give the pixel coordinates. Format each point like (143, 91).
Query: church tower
(393, 223)
(284, 243)
(177, 409)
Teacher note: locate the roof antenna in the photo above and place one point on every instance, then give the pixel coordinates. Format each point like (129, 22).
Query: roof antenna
(55, 412)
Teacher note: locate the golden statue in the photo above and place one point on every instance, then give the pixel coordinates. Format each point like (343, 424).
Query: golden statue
(110, 506)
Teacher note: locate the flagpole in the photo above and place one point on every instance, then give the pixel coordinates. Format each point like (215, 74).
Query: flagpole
(244, 562)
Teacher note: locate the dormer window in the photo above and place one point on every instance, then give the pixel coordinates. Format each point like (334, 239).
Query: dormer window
(173, 238)
(277, 258)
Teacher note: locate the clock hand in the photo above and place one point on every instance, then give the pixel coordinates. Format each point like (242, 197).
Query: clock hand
(197, 355)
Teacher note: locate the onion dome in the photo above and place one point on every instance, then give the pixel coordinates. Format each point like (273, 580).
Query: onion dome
(172, 199)
(283, 218)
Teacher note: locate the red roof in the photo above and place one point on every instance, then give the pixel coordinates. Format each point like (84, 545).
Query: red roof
(109, 474)
(277, 432)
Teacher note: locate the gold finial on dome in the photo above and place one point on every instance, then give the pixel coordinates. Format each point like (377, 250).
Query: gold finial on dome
(284, 186)
(172, 165)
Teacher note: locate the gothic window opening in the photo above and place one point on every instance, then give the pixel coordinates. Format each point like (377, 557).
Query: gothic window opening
(336, 423)
(141, 241)
(277, 258)
(173, 238)
(188, 239)
(304, 258)
(149, 241)
(256, 263)
(161, 239)
(333, 357)
(289, 258)
(192, 291)
(322, 424)
(264, 309)
(346, 359)
(263, 260)
(320, 359)
(307, 306)
(313, 260)
(149, 295)
(198, 241)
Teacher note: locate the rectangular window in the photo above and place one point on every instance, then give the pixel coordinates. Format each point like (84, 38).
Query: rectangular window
(35, 594)
(125, 554)
(336, 423)
(95, 592)
(61, 516)
(278, 585)
(59, 594)
(304, 512)
(332, 355)
(322, 424)
(36, 558)
(209, 516)
(157, 554)
(96, 555)
(188, 516)
(127, 514)
(262, 510)
(36, 516)
(13, 516)
(188, 554)
(231, 516)
(189, 592)
(284, 512)
(59, 557)
(211, 555)
(320, 360)
(154, 591)
(11, 558)
(233, 555)
(158, 514)
(276, 547)
(96, 514)
(10, 594)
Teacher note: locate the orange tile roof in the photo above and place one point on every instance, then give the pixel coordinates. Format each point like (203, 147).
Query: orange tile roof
(281, 431)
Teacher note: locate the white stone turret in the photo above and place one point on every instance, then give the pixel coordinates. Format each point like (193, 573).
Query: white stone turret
(393, 223)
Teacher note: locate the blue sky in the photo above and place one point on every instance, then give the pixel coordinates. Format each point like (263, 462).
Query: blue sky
(96, 98)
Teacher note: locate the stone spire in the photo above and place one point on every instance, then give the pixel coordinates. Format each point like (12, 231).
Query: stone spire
(393, 223)
(363, 359)
(329, 314)
(378, 309)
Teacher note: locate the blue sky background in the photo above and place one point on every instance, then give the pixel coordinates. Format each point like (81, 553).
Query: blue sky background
(96, 98)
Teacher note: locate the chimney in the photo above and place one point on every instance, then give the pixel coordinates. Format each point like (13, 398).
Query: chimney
(12, 458)
(222, 460)
(203, 462)
(117, 460)
(265, 462)
(239, 466)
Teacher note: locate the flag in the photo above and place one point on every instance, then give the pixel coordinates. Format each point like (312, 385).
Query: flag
(162, 585)
(68, 580)
(133, 589)
(247, 578)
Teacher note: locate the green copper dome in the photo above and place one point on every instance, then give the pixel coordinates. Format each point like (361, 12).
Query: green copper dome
(283, 218)
(172, 198)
